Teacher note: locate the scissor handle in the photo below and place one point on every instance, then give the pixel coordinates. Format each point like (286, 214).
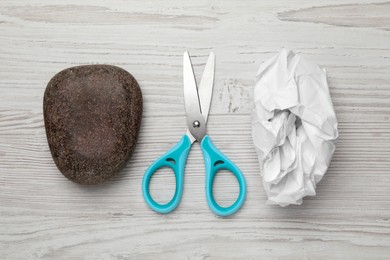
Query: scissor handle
(215, 161)
(175, 159)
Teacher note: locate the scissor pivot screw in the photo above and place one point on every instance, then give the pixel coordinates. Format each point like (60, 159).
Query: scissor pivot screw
(196, 124)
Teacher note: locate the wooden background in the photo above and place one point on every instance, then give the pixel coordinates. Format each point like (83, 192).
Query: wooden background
(43, 215)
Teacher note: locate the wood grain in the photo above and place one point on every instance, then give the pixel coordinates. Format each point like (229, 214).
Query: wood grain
(45, 216)
(371, 15)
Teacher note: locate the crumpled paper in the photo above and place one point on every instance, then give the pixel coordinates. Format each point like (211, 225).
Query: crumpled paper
(294, 127)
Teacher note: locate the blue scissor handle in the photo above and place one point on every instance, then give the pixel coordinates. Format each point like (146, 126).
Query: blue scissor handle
(215, 160)
(176, 160)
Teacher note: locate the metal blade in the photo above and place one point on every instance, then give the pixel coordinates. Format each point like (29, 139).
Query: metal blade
(190, 136)
(206, 86)
(195, 120)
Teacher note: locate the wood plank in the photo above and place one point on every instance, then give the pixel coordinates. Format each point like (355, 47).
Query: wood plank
(43, 215)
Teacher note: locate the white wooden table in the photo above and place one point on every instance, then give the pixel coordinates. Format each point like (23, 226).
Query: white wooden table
(43, 215)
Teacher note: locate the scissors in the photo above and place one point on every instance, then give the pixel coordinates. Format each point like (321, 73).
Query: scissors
(197, 106)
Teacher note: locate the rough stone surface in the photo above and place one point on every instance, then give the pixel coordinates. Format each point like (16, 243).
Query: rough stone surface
(92, 118)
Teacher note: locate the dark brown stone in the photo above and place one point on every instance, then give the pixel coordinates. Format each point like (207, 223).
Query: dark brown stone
(92, 119)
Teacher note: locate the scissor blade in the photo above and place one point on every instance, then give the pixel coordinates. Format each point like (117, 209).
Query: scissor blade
(190, 90)
(195, 120)
(190, 136)
(206, 86)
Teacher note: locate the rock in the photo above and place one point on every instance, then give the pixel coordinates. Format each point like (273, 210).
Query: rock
(92, 118)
